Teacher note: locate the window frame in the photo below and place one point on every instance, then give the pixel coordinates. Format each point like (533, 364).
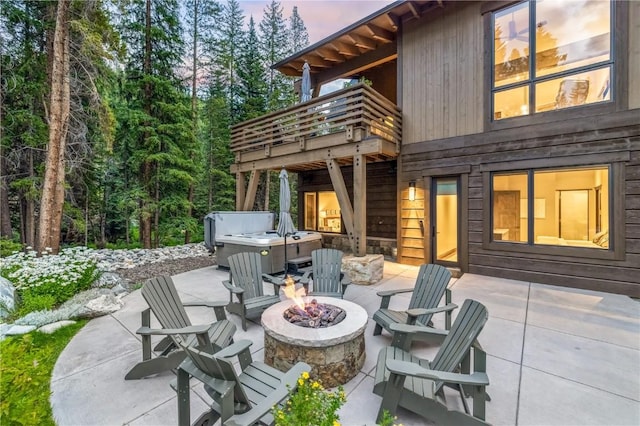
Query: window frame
(618, 77)
(616, 250)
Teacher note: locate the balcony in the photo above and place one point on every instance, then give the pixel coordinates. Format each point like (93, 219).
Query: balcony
(350, 122)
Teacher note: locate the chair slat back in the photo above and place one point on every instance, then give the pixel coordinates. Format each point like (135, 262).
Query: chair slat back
(245, 271)
(218, 368)
(162, 297)
(431, 283)
(327, 269)
(464, 331)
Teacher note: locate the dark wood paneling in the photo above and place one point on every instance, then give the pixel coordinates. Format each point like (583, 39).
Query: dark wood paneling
(615, 138)
(381, 194)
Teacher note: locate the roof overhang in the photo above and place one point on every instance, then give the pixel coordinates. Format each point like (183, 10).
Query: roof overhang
(364, 44)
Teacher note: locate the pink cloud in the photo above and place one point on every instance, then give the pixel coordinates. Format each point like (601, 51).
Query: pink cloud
(322, 18)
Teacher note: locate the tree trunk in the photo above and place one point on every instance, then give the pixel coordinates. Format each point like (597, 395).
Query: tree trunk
(53, 186)
(5, 214)
(194, 111)
(148, 184)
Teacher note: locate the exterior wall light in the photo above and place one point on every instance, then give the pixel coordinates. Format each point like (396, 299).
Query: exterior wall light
(412, 190)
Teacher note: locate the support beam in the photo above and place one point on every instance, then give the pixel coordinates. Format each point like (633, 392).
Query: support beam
(360, 205)
(250, 198)
(240, 193)
(343, 199)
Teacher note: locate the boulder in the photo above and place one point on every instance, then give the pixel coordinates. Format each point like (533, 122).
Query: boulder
(50, 328)
(7, 297)
(364, 270)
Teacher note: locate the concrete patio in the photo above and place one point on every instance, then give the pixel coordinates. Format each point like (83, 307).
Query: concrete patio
(556, 356)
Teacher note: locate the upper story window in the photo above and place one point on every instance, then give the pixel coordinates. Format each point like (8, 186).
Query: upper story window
(573, 61)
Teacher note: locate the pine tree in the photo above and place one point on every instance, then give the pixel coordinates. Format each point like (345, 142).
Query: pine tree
(228, 51)
(159, 129)
(251, 76)
(273, 33)
(200, 20)
(298, 35)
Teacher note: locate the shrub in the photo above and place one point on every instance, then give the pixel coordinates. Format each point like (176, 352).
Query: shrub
(310, 404)
(47, 281)
(9, 247)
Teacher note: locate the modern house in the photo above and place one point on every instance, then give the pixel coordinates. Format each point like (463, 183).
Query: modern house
(497, 137)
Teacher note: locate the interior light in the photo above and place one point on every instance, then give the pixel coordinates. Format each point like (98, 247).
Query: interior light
(412, 190)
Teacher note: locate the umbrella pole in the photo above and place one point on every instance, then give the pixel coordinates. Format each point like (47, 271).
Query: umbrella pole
(286, 264)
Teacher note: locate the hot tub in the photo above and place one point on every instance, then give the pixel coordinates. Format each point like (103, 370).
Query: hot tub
(229, 233)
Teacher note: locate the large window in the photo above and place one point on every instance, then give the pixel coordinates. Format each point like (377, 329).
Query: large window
(572, 64)
(322, 212)
(563, 207)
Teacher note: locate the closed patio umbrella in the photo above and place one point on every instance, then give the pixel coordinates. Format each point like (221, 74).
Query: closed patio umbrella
(285, 223)
(305, 90)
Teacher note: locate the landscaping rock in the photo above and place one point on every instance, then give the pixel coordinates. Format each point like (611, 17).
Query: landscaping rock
(50, 328)
(15, 330)
(7, 297)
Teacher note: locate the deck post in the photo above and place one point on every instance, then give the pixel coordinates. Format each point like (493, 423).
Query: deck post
(252, 188)
(240, 192)
(360, 205)
(343, 199)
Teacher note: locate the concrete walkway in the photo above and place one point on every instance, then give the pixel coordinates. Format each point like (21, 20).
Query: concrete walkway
(556, 356)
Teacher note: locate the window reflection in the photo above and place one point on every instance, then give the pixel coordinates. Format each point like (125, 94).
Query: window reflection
(322, 212)
(571, 34)
(572, 63)
(569, 207)
(511, 45)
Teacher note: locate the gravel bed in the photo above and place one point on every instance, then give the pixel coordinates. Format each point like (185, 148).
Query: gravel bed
(139, 274)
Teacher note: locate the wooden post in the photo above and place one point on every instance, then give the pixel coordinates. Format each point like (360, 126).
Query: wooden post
(360, 205)
(252, 188)
(240, 192)
(343, 199)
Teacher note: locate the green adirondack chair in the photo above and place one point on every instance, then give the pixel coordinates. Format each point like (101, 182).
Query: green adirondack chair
(163, 300)
(245, 284)
(431, 285)
(238, 399)
(326, 273)
(416, 384)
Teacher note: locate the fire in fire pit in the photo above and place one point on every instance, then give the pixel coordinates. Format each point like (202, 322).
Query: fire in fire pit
(314, 315)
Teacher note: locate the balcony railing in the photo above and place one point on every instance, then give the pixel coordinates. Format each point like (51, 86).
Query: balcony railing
(354, 107)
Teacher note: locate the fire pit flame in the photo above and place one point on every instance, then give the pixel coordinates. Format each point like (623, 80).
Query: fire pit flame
(297, 295)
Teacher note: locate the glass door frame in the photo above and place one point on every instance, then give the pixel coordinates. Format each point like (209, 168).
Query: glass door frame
(433, 220)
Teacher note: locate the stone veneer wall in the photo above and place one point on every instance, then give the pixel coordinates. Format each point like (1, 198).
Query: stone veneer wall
(384, 246)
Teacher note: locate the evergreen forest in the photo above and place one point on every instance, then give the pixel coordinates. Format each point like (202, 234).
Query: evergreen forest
(115, 115)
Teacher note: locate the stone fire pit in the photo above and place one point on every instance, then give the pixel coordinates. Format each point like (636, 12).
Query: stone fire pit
(335, 353)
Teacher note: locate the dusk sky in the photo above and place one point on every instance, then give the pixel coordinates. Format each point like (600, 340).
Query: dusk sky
(322, 18)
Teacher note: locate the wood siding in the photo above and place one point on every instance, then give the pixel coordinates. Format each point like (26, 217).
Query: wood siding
(634, 54)
(381, 194)
(443, 83)
(607, 138)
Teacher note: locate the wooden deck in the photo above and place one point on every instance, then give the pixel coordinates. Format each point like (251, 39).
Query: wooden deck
(355, 120)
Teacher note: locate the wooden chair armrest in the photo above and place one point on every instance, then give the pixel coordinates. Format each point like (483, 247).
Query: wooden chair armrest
(208, 304)
(232, 288)
(404, 334)
(345, 279)
(306, 277)
(421, 311)
(192, 329)
(273, 280)
(234, 349)
(411, 369)
(387, 293)
(289, 382)
(217, 306)
(222, 387)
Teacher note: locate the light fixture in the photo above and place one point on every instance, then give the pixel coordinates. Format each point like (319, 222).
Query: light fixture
(412, 190)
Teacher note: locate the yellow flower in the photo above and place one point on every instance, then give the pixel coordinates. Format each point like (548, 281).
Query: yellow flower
(300, 382)
(315, 385)
(305, 375)
(336, 423)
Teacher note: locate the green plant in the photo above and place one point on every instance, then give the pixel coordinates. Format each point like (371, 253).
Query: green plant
(25, 374)
(9, 247)
(46, 281)
(310, 404)
(388, 419)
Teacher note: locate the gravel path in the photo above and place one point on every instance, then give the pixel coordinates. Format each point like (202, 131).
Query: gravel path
(139, 274)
